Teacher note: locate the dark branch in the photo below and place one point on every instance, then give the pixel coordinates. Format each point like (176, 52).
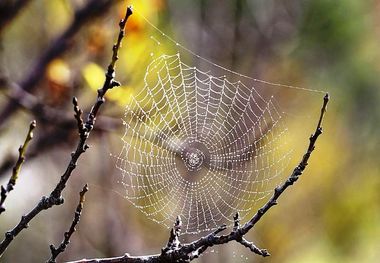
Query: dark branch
(55, 251)
(55, 197)
(62, 43)
(78, 117)
(295, 174)
(174, 242)
(16, 169)
(46, 114)
(61, 133)
(190, 251)
(253, 248)
(9, 10)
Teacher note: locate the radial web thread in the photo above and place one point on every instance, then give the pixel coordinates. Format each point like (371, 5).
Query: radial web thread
(199, 146)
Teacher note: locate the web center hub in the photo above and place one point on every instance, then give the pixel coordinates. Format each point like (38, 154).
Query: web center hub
(193, 159)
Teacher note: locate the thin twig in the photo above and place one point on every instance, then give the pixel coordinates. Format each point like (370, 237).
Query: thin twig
(253, 247)
(46, 114)
(55, 251)
(61, 133)
(16, 169)
(190, 251)
(297, 172)
(55, 197)
(61, 122)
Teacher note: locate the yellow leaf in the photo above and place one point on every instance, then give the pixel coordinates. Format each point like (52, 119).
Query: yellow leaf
(59, 72)
(93, 75)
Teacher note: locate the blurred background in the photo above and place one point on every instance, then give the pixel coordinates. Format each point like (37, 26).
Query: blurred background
(50, 52)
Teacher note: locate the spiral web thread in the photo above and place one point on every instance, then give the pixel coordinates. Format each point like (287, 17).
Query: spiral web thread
(200, 147)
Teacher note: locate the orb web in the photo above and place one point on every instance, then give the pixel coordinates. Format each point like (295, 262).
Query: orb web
(199, 146)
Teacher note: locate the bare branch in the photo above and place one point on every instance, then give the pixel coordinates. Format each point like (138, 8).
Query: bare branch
(55, 197)
(190, 251)
(125, 259)
(253, 248)
(174, 242)
(9, 10)
(45, 114)
(236, 222)
(295, 174)
(62, 43)
(16, 169)
(55, 251)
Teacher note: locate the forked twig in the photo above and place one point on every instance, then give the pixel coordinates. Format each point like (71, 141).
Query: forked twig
(16, 169)
(176, 252)
(85, 129)
(55, 251)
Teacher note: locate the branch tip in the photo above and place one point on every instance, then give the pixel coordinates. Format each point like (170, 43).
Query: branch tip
(33, 124)
(237, 216)
(128, 13)
(326, 98)
(55, 251)
(236, 222)
(83, 193)
(178, 222)
(254, 248)
(17, 167)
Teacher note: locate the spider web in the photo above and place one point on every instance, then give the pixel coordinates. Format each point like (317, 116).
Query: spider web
(199, 146)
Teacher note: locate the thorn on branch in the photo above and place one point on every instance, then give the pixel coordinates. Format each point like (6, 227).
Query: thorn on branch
(115, 83)
(16, 169)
